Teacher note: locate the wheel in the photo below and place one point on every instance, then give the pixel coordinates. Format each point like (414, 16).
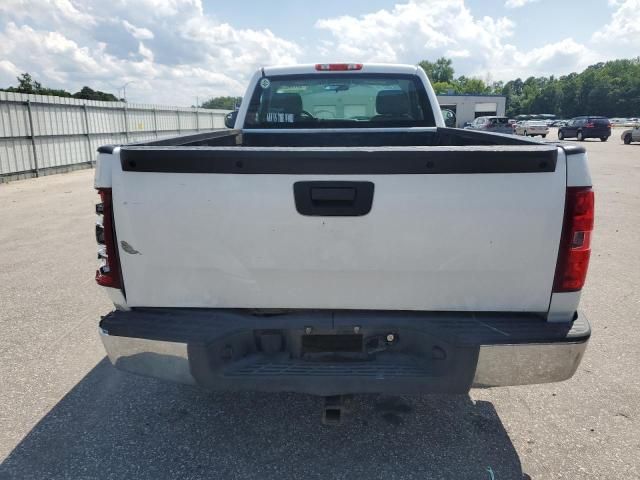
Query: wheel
(627, 139)
(580, 137)
(560, 135)
(604, 139)
(544, 136)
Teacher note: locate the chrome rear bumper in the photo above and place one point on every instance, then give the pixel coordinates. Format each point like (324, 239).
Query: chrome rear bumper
(151, 358)
(468, 363)
(505, 365)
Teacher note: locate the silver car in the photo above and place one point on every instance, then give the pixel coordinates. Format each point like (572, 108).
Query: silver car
(531, 128)
(631, 135)
(491, 124)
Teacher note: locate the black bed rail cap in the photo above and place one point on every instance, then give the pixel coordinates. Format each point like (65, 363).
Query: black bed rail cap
(342, 161)
(176, 140)
(107, 148)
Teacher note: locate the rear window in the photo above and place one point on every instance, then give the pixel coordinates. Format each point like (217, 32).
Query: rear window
(600, 121)
(500, 121)
(339, 101)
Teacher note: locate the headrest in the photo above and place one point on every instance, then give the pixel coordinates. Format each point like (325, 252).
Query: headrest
(286, 103)
(392, 102)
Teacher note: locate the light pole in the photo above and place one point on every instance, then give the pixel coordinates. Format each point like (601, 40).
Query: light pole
(124, 89)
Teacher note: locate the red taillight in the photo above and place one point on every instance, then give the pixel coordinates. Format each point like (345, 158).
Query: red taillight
(108, 275)
(338, 67)
(575, 242)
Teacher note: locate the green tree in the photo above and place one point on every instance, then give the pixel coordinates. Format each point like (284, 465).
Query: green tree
(27, 84)
(606, 88)
(90, 94)
(439, 71)
(223, 103)
(442, 88)
(471, 85)
(496, 87)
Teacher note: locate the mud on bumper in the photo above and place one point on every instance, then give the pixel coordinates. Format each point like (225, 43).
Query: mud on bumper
(343, 352)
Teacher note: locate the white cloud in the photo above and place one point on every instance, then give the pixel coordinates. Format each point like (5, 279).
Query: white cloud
(163, 8)
(137, 32)
(9, 69)
(624, 27)
(419, 30)
(70, 12)
(464, 53)
(145, 52)
(51, 54)
(58, 11)
(173, 53)
(517, 3)
(238, 50)
(553, 58)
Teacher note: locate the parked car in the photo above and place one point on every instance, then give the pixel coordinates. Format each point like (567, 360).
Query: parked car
(559, 123)
(631, 135)
(302, 253)
(531, 128)
(492, 124)
(586, 127)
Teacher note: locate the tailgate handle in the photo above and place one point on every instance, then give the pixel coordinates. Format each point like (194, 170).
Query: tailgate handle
(329, 194)
(333, 198)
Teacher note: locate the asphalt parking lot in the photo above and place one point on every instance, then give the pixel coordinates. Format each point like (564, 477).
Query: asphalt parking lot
(66, 413)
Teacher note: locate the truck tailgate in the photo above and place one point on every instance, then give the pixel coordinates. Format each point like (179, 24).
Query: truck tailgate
(480, 235)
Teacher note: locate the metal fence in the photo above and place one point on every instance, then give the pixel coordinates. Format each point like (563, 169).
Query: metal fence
(40, 134)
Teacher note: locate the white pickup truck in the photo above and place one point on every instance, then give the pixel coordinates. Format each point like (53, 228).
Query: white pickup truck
(342, 240)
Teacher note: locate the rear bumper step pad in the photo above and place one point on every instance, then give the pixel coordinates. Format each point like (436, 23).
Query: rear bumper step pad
(430, 353)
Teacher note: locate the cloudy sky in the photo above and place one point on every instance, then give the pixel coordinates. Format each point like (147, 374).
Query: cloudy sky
(176, 50)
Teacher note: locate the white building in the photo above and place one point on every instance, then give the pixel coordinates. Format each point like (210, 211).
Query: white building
(468, 107)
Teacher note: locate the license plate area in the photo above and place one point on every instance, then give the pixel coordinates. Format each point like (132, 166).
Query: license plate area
(338, 343)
